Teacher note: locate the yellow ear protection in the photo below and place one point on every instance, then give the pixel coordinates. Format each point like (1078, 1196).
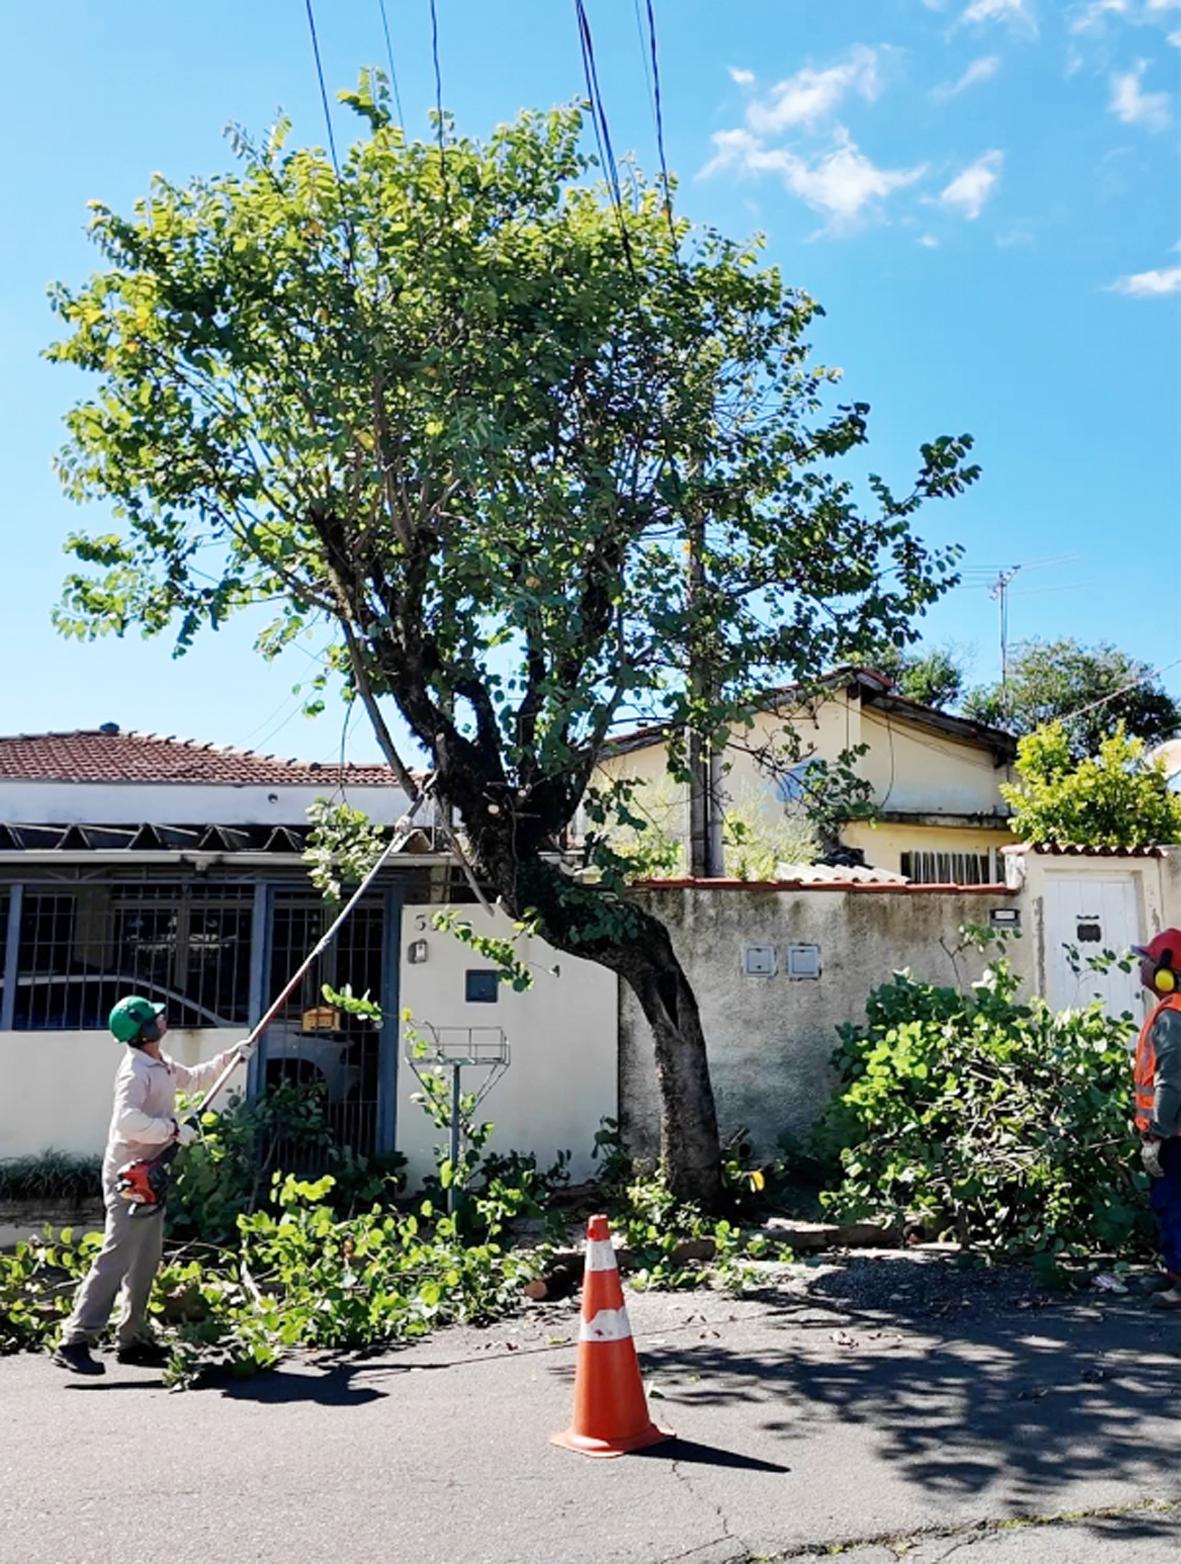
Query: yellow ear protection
(1164, 979)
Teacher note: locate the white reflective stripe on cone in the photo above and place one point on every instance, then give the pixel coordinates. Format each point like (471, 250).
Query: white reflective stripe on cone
(607, 1325)
(600, 1255)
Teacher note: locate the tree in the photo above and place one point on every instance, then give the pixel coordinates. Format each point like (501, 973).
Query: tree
(1118, 799)
(933, 677)
(1052, 681)
(461, 407)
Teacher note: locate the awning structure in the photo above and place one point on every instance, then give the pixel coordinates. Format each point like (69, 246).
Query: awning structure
(149, 837)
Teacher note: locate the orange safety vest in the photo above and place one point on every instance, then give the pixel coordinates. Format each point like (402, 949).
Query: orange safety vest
(1144, 1074)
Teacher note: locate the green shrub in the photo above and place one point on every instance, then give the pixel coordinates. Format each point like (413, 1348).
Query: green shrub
(225, 1173)
(998, 1123)
(38, 1280)
(51, 1175)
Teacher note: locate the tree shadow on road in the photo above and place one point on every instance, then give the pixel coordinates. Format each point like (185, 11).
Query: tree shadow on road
(1031, 1395)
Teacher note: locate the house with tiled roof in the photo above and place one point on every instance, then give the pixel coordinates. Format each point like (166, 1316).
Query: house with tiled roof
(933, 778)
(157, 864)
(151, 863)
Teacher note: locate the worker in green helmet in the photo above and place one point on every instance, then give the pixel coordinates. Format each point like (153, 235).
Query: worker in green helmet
(143, 1123)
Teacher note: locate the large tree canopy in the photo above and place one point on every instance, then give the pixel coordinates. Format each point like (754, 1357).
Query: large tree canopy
(468, 412)
(933, 677)
(1091, 690)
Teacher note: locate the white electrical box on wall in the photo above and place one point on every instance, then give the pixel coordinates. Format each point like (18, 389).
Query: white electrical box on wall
(803, 962)
(758, 960)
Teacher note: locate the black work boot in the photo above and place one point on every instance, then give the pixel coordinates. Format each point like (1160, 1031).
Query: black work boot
(75, 1356)
(143, 1354)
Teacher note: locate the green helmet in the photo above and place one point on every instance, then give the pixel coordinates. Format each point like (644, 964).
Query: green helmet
(131, 1015)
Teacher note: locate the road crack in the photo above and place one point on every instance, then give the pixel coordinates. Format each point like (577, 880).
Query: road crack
(967, 1536)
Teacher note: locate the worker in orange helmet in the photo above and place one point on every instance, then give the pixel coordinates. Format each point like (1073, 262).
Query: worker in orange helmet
(1158, 1099)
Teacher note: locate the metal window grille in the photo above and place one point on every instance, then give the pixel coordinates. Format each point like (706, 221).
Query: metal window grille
(927, 868)
(82, 948)
(312, 1041)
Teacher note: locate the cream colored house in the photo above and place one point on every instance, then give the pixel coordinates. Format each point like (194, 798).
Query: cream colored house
(935, 777)
(136, 863)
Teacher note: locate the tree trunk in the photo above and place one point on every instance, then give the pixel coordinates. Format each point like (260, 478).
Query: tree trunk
(643, 956)
(689, 1150)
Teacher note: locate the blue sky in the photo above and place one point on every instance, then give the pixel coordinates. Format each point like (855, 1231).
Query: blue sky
(983, 194)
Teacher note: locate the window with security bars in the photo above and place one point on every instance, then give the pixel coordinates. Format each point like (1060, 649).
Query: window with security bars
(312, 1042)
(81, 948)
(950, 868)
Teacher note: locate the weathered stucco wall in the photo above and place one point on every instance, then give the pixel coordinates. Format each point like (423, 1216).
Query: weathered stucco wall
(771, 1038)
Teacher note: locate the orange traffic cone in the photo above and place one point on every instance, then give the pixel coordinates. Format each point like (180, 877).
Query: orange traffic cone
(610, 1412)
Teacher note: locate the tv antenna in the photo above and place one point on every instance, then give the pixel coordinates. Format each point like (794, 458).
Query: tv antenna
(1000, 595)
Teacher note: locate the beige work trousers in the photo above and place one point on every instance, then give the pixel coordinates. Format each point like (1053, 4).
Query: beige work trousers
(128, 1260)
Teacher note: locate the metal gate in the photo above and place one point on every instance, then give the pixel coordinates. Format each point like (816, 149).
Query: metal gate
(314, 1042)
(1085, 917)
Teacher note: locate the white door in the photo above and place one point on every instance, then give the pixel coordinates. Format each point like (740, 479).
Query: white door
(1089, 917)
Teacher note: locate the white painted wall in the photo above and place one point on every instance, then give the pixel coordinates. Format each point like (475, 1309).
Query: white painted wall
(181, 803)
(55, 1087)
(562, 1033)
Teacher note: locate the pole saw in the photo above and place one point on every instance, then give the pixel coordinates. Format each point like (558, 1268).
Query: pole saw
(144, 1183)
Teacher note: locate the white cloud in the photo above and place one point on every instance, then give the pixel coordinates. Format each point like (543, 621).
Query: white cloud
(1015, 12)
(1093, 17)
(928, 241)
(742, 77)
(1150, 285)
(1175, 39)
(1164, 5)
(983, 69)
(1131, 104)
(811, 95)
(842, 183)
(969, 190)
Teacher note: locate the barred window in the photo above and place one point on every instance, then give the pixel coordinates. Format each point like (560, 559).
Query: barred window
(83, 947)
(950, 868)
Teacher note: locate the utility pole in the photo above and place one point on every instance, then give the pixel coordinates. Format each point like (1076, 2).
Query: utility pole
(1000, 595)
(706, 853)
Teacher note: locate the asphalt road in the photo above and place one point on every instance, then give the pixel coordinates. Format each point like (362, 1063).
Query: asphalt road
(870, 1406)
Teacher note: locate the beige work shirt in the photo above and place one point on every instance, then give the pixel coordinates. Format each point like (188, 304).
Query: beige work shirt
(144, 1117)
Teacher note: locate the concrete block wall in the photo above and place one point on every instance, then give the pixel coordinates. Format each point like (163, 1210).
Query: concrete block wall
(771, 1038)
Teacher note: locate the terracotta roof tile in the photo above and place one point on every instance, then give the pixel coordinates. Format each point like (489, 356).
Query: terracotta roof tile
(109, 755)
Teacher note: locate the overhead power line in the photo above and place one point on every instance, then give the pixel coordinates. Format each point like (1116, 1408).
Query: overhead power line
(438, 87)
(389, 53)
(323, 89)
(602, 130)
(1151, 673)
(658, 112)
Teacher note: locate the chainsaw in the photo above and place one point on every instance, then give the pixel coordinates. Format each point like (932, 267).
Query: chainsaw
(144, 1184)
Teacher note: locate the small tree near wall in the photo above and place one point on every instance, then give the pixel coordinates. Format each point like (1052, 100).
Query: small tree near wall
(1118, 799)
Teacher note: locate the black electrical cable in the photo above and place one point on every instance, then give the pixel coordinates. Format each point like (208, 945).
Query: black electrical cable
(389, 52)
(602, 130)
(644, 53)
(659, 112)
(438, 76)
(350, 247)
(323, 89)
